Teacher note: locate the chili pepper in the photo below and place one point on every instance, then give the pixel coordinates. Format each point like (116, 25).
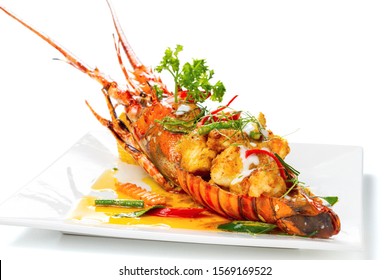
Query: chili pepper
(205, 119)
(183, 94)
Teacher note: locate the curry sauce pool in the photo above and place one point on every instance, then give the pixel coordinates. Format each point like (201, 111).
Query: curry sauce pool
(87, 212)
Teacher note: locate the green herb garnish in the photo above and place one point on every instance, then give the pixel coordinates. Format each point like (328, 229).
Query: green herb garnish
(120, 202)
(294, 182)
(332, 200)
(194, 78)
(159, 92)
(247, 226)
(137, 214)
(224, 121)
(288, 167)
(233, 124)
(177, 125)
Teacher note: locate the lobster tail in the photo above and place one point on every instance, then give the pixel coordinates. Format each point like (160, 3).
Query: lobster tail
(323, 225)
(303, 217)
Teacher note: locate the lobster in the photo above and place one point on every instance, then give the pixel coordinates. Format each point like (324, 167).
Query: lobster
(143, 132)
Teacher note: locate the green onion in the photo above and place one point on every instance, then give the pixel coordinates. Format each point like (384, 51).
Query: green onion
(287, 166)
(205, 129)
(177, 125)
(120, 202)
(295, 182)
(255, 135)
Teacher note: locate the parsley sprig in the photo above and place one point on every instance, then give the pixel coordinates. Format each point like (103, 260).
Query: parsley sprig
(193, 78)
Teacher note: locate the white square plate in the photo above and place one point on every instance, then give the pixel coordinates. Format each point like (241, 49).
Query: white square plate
(47, 201)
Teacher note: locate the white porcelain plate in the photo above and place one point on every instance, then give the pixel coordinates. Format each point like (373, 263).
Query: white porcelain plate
(47, 201)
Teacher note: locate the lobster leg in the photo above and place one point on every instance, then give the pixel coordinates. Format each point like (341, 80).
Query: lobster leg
(126, 141)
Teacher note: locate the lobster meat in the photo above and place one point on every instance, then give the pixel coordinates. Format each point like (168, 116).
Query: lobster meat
(226, 161)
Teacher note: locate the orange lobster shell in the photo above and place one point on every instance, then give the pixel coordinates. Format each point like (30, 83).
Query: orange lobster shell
(309, 218)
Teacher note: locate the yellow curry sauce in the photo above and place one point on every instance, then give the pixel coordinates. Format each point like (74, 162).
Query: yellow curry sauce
(86, 211)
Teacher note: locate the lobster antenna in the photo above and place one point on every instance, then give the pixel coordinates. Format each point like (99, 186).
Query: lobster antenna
(132, 57)
(70, 58)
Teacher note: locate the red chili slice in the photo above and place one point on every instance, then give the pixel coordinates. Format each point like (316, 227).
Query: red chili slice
(177, 212)
(224, 107)
(183, 94)
(205, 119)
(270, 154)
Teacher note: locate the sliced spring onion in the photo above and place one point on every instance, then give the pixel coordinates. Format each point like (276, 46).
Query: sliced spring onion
(130, 203)
(205, 129)
(288, 167)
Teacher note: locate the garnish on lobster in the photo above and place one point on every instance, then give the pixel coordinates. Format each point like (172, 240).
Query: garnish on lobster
(228, 161)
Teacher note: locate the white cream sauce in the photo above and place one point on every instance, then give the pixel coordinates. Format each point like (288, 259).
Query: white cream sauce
(182, 109)
(247, 162)
(248, 128)
(264, 132)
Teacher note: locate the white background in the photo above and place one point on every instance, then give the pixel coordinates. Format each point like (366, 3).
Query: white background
(319, 70)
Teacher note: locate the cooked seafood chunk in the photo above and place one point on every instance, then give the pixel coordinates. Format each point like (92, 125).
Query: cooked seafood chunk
(226, 166)
(261, 181)
(276, 144)
(252, 175)
(219, 140)
(196, 157)
(262, 120)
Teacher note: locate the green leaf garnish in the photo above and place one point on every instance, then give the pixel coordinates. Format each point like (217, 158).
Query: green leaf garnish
(332, 200)
(159, 92)
(137, 214)
(247, 226)
(193, 77)
(184, 126)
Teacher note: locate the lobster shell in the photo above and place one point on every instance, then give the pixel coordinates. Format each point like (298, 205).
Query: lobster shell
(300, 217)
(304, 216)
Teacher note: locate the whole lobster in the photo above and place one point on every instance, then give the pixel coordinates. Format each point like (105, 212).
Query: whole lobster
(147, 137)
